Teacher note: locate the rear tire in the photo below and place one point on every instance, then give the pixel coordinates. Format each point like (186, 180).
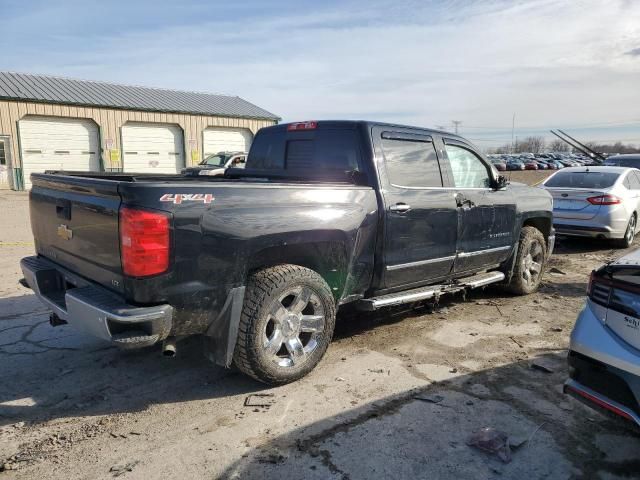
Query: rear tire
(629, 234)
(530, 262)
(286, 325)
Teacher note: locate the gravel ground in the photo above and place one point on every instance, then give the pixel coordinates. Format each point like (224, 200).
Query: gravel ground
(397, 396)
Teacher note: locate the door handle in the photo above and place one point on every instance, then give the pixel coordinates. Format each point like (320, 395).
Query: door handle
(463, 202)
(400, 208)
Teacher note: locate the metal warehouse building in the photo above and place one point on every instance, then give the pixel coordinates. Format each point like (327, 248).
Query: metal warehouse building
(52, 123)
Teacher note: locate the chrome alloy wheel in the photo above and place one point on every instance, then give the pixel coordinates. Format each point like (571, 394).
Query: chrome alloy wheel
(296, 321)
(532, 263)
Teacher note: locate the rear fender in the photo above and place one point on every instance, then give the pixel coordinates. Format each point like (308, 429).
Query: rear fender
(328, 258)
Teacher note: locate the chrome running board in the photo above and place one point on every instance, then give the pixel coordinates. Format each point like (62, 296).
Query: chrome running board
(425, 293)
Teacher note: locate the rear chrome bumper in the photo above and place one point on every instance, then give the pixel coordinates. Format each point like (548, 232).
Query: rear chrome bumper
(93, 309)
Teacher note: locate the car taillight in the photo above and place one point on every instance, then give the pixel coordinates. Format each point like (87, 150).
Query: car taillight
(302, 126)
(590, 284)
(144, 242)
(604, 200)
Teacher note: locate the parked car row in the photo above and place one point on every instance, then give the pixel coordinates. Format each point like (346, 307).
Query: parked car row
(538, 161)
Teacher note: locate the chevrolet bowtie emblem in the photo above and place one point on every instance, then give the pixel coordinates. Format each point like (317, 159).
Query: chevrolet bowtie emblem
(65, 232)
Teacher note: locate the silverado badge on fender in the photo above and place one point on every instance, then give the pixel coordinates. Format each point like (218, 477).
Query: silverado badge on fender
(65, 232)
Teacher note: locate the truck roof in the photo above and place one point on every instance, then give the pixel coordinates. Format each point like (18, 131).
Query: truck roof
(368, 123)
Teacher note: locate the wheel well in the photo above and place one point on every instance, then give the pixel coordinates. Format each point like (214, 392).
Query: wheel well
(329, 259)
(541, 223)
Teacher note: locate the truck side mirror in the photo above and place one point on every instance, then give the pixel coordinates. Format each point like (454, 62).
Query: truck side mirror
(500, 182)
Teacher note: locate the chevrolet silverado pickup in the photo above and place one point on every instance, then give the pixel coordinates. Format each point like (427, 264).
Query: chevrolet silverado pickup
(259, 261)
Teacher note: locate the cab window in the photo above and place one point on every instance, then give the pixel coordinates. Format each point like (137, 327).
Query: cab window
(411, 163)
(467, 168)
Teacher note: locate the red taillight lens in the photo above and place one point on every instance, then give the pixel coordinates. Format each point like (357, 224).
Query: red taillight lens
(144, 242)
(302, 126)
(604, 200)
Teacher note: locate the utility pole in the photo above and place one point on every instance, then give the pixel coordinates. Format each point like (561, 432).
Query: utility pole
(513, 127)
(456, 124)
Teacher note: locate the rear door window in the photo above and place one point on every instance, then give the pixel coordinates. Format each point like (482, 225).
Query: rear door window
(634, 180)
(582, 179)
(411, 161)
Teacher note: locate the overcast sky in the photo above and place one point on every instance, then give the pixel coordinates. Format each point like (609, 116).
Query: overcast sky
(573, 65)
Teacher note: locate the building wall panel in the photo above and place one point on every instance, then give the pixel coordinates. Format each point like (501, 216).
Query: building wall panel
(110, 122)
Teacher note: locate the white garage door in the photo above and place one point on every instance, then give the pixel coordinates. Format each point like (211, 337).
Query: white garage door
(226, 140)
(152, 148)
(50, 143)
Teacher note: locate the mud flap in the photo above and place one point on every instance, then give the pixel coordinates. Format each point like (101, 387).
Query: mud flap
(509, 265)
(222, 333)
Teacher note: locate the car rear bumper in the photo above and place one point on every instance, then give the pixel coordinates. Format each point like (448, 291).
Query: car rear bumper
(596, 400)
(585, 228)
(604, 223)
(93, 309)
(604, 370)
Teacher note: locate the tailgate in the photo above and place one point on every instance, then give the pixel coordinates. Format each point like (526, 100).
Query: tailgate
(75, 224)
(572, 203)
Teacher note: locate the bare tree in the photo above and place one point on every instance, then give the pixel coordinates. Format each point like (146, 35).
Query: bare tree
(617, 147)
(558, 145)
(530, 145)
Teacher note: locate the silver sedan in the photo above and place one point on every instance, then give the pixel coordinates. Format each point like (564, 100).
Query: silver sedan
(600, 202)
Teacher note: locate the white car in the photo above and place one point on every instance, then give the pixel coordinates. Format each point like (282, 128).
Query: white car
(598, 202)
(216, 164)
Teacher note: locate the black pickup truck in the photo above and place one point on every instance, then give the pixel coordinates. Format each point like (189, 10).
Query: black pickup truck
(258, 262)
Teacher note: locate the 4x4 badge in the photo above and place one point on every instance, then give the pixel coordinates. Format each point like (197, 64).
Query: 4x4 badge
(65, 232)
(178, 198)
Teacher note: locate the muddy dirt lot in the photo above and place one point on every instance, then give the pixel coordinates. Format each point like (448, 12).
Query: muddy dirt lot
(397, 395)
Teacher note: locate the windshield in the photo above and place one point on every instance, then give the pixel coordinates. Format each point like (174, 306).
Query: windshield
(583, 179)
(215, 160)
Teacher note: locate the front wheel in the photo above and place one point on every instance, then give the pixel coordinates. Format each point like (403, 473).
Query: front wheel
(286, 324)
(530, 262)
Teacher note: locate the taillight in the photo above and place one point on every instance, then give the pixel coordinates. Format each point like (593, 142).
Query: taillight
(144, 242)
(302, 126)
(599, 289)
(604, 200)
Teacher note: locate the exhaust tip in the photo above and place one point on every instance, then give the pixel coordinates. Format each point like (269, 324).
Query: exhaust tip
(169, 347)
(169, 352)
